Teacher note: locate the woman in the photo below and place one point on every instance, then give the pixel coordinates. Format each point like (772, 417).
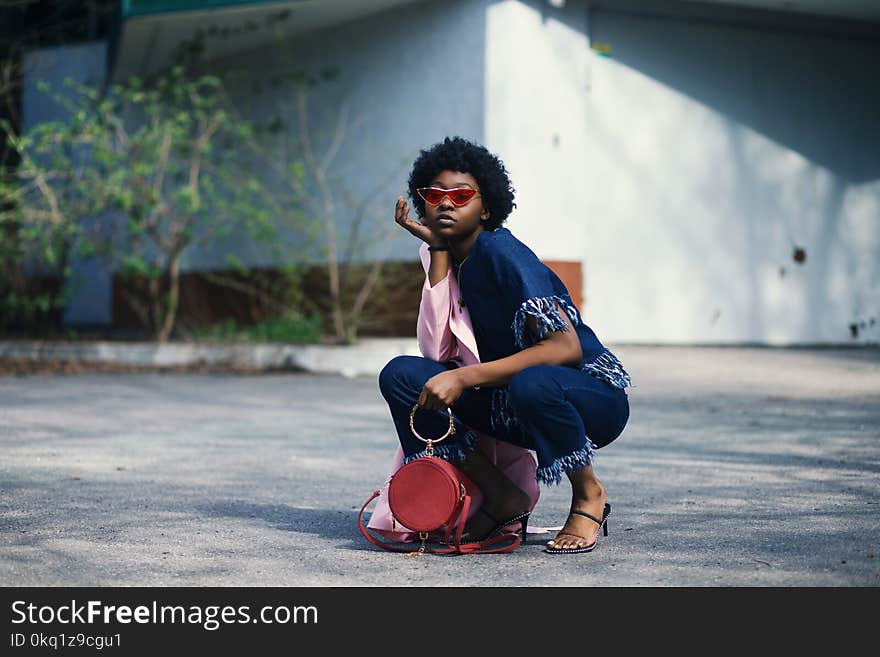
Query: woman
(545, 382)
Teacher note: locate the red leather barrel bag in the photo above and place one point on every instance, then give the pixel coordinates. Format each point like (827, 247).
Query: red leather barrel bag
(432, 497)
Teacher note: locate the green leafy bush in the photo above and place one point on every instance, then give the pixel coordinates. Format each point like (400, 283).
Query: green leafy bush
(293, 329)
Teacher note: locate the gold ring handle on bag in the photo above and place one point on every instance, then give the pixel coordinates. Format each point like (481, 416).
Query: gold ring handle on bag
(429, 447)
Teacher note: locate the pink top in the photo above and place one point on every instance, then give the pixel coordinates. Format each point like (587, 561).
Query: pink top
(445, 332)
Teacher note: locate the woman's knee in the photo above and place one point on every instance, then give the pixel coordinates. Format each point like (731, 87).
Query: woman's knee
(623, 418)
(401, 369)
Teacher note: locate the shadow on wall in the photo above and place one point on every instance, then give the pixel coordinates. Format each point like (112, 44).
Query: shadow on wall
(814, 94)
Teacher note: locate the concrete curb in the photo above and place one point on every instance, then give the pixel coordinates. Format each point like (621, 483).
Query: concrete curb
(367, 357)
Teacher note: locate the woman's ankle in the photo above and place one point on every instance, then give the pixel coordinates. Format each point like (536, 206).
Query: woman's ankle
(592, 495)
(586, 487)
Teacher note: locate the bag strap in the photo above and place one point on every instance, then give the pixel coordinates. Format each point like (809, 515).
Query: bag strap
(486, 546)
(368, 535)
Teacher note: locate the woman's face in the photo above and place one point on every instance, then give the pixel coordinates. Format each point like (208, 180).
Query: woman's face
(462, 220)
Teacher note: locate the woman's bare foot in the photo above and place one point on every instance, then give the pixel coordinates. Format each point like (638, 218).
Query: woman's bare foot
(588, 495)
(502, 499)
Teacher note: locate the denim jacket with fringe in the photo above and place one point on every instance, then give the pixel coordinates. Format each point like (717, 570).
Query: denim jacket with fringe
(502, 282)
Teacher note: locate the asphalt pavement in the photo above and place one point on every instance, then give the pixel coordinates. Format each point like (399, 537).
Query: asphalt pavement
(739, 467)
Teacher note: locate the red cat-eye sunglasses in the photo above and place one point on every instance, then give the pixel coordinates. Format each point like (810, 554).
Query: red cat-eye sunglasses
(458, 195)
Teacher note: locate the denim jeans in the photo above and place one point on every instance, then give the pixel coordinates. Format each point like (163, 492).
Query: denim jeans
(562, 413)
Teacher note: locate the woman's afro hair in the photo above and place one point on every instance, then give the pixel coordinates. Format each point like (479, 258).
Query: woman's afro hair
(458, 154)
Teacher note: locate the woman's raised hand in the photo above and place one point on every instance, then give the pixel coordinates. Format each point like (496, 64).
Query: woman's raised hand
(420, 230)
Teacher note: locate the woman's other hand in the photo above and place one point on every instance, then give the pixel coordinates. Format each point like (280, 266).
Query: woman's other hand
(441, 391)
(420, 230)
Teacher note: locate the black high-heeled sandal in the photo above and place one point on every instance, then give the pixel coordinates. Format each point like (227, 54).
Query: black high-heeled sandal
(523, 519)
(603, 525)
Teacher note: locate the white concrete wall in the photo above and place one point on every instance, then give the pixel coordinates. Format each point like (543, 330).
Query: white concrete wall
(684, 170)
(536, 101)
(714, 153)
